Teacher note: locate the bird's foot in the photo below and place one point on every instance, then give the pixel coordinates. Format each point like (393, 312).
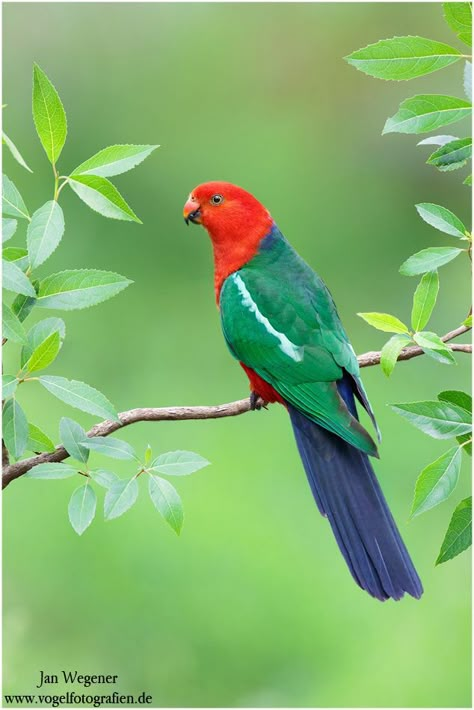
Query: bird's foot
(256, 402)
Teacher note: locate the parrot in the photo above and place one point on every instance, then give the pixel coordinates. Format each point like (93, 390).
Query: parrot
(280, 323)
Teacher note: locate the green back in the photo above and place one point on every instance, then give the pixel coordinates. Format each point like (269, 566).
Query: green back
(279, 319)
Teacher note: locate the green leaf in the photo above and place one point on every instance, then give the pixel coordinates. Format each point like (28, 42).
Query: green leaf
(114, 160)
(15, 280)
(8, 228)
(468, 322)
(12, 328)
(441, 420)
(15, 428)
(442, 219)
(104, 478)
(167, 501)
(385, 322)
(109, 446)
(101, 196)
(437, 140)
(79, 288)
(72, 438)
(467, 82)
(44, 354)
(465, 401)
(38, 334)
(19, 255)
(22, 306)
(148, 455)
(44, 233)
(12, 201)
(390, 352)
(80, 396)
(52, 471)
(178, 463)
(468, 181)
(38, 441)
(120, 497)
(428, 260)
(459, 534)
(424, 300)
(427, 112)
(459, 17)
(9, 385)
(82, 508)
(437, 481)
(14, 151)
(453, 155)
(462, 399)
(401, 58)
(434, 347)
(49, 115)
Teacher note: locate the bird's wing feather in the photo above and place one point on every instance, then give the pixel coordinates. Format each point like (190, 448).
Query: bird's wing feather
(279, 319)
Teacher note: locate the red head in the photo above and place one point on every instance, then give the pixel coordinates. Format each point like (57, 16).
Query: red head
(235, 221)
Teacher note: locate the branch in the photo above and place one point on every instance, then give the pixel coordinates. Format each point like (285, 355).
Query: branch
(232, 409)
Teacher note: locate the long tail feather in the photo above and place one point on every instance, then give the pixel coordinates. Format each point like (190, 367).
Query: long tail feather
(346, 490)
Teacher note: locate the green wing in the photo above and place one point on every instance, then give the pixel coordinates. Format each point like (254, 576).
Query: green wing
(280, 320)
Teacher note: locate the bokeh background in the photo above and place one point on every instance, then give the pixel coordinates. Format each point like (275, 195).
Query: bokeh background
(253, 604)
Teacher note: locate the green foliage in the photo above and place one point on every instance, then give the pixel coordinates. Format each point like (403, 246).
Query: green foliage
(51, 471)
(166, 500)
(459, 534)
(8, 229)
(14, 151)
(15, 280)
(459, 17)
(390, 352)
(453, 155)
(12, 201)
(109, 446)
(37, 440)
(442, 219)
(120, 497)
(424, 300)
(428, 260)
(441, 420)
(427, 112)
(385, 322)
(49, 115)
(403, 57)
(15, 428)
(114, 160)
(44, 233)
(82, 508)
(79, 288)
(178, 463)
(71, 289)
(102, 196)
(434, 347)
(72, 435)
(79, 395)
(12, 328)
(437, 481)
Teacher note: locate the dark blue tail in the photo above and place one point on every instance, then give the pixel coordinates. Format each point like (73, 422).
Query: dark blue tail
(347, 492)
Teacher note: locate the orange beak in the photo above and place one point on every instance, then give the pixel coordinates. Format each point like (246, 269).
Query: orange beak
(191, 212)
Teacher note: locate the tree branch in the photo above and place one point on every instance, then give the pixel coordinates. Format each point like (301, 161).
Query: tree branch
(231, 409)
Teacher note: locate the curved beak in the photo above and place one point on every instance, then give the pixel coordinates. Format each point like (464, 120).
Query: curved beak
(191, 212)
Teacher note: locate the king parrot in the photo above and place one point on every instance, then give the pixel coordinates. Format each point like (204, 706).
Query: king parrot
(280, 322)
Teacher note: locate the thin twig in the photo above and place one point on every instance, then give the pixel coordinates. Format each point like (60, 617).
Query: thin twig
(232, 409)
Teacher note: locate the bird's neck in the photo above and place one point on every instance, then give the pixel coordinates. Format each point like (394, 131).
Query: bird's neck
(231, 251)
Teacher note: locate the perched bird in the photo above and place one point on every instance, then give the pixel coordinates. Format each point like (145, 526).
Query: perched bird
(280, 322)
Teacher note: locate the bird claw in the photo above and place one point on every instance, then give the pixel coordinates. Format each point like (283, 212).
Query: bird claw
(256, 402)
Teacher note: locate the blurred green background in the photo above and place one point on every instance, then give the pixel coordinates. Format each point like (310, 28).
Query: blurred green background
(253, 604)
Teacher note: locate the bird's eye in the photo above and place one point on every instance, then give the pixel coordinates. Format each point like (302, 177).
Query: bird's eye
(217, 199)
